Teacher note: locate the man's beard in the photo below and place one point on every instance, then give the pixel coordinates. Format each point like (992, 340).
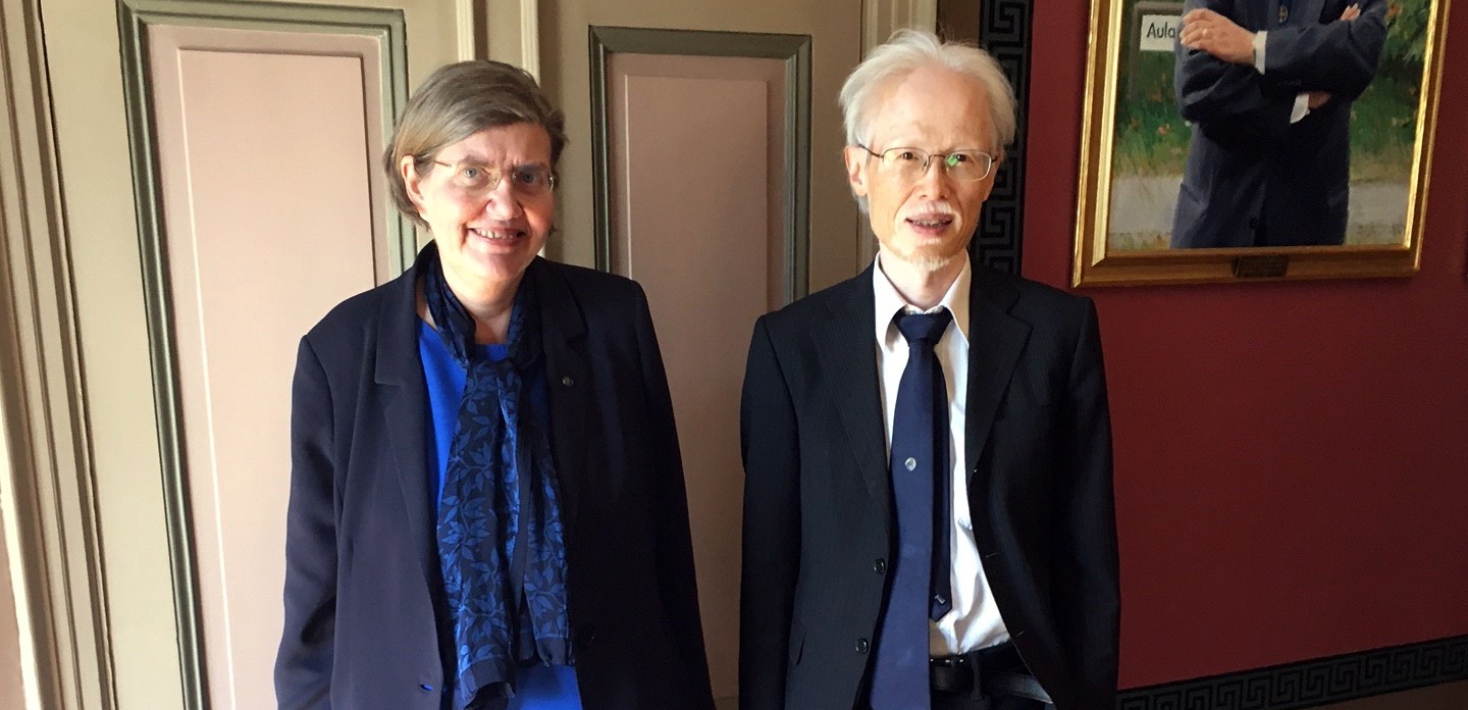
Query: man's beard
(932, 262)
(928, 259)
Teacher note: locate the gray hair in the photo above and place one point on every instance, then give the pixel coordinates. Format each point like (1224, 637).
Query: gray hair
(455, 102)
(910, 50)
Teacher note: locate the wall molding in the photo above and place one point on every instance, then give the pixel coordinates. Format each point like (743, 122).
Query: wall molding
(387, 25)
(466, 41)
(480, 35)
(1005, 31)
(793, 49)
(48, 501)
(530, 37)
(880, 18)
(1314, 682)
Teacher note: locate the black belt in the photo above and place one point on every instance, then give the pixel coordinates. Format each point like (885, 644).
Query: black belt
(994, 671)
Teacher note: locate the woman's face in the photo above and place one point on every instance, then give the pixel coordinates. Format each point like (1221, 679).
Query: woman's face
(489, 203)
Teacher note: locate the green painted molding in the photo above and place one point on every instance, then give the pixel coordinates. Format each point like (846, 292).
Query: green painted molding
(793, 49)
(134, 17)
(385, 25)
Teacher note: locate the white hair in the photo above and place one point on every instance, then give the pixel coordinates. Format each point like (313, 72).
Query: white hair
(910, 50)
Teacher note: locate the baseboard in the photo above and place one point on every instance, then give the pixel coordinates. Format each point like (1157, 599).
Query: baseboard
(1312, 683)
(1303, 684)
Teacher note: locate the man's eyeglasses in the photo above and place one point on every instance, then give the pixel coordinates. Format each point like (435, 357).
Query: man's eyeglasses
(911, 164)
(478, 180)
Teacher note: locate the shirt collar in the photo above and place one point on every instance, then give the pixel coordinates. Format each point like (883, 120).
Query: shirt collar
(889, 302)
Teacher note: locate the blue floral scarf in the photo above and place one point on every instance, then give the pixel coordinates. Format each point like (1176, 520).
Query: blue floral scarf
(500, 540)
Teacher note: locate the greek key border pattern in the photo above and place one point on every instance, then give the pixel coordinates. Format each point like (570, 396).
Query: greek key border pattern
(1004, 30)
(1312, 683)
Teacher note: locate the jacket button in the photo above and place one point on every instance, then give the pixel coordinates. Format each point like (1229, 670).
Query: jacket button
(880, 566)
(567, 381)
(862, 646)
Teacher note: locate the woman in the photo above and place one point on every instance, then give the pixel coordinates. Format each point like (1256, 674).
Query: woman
(487, 506)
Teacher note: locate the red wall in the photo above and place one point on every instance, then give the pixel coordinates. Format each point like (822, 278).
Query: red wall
(1291, 459)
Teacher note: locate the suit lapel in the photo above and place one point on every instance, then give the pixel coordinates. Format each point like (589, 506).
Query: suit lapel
(996, 340)
(848, 352)
(400, 378)
(567, 377)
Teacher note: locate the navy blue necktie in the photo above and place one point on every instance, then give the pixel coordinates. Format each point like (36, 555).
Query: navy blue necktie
(920, 489)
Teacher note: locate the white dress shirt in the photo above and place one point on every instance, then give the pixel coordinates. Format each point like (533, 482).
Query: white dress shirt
(974, 621)
(1301, 107)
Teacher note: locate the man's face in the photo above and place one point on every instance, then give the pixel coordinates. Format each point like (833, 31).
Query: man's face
(926, 221)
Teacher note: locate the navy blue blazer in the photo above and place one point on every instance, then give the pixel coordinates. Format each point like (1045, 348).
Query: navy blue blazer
(818, 511)
(1252, 177)
(366, 623)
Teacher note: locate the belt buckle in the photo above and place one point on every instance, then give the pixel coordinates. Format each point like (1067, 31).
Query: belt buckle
(948, 661)
(953, 674)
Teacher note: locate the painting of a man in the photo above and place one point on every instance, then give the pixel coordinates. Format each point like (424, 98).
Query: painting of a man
(1268, 86)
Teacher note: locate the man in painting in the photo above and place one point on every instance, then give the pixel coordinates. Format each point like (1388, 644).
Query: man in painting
(928, 518)
(1268, 86)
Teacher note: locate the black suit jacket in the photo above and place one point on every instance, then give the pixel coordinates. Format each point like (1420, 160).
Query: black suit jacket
(366, 624)
(1248, 167)
(818, 503)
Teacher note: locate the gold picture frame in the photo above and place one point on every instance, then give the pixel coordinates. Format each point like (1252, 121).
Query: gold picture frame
(1125, 173)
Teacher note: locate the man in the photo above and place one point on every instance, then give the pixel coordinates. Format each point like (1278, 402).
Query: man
(1268, 86)
(928, 515)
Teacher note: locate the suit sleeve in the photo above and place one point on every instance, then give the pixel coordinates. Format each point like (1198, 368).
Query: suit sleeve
(770, 448)
(676, 576)
(303, 665)
(1223, 97)
(1090, 616)
(1338, 57)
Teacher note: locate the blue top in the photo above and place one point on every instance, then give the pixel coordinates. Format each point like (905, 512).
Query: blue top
(539, 687)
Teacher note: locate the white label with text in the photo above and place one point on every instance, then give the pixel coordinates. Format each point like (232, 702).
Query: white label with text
(1159, 32)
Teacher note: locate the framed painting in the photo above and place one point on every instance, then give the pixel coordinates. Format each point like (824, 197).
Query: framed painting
(1245, 140)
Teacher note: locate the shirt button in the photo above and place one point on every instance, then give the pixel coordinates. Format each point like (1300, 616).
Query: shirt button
(910, 463)
(567, 381)
(880, 566)
(862, 646)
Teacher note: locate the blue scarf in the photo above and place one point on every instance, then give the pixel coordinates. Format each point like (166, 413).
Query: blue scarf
(500, 541)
